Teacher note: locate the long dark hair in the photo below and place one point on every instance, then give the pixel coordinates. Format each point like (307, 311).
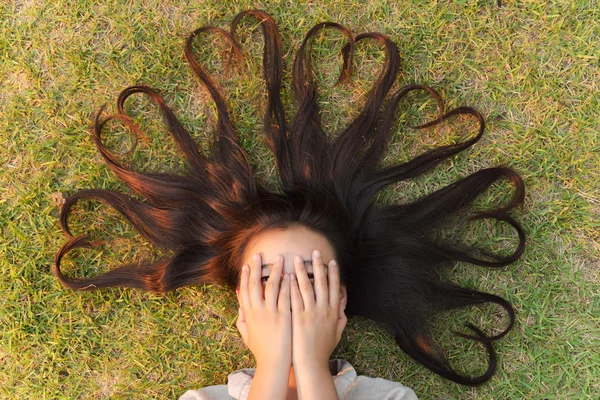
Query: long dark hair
(389, 255)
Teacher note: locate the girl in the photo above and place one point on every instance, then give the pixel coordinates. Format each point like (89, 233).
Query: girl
(389, 258)
(293, 329)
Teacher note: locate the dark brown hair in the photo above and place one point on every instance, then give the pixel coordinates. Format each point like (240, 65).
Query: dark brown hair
(389, 255)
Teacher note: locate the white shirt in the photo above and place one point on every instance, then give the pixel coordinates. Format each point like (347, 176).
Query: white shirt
(348, 386)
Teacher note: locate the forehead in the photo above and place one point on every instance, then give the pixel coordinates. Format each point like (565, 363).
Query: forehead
(289, 242)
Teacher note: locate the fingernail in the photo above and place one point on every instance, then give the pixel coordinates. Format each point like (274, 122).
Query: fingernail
(278, 258)
(293, 277)
(245, 268)
(255, 257)
(316, 253)
(333, 263)
(298, 259)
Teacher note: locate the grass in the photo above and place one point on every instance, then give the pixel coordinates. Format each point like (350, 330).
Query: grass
(532, 68)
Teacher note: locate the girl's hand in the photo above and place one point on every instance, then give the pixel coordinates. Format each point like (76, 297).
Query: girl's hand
(317, 325)
(266, 324)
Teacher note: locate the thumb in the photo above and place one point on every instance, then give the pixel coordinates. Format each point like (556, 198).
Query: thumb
(341, 322)
(242, 326)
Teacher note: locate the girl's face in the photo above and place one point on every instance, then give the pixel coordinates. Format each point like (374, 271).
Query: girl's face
(289, 243)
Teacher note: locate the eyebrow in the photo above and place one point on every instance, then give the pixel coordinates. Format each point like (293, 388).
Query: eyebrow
(306, 263)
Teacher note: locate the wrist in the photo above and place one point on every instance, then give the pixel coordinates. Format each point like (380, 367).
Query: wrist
(311, 371)
(275, 365)
(314, 381)
(270, 382)
(312, 365)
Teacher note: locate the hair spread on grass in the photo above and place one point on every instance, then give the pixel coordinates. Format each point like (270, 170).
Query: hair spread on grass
(390, 257)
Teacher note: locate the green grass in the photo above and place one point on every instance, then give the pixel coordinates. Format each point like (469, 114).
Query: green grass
(531, 67)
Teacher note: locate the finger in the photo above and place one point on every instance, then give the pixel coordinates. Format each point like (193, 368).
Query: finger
(256, 292)
(272, 289)
(283, 303)
(342, 308)
(244, 294)
(321, 289)
(295, 297)
(334, 284)
(306, 290)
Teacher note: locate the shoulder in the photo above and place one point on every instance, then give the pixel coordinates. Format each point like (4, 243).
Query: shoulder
(353, 386)
(238, 386)
(218, 392)
(382, 389)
